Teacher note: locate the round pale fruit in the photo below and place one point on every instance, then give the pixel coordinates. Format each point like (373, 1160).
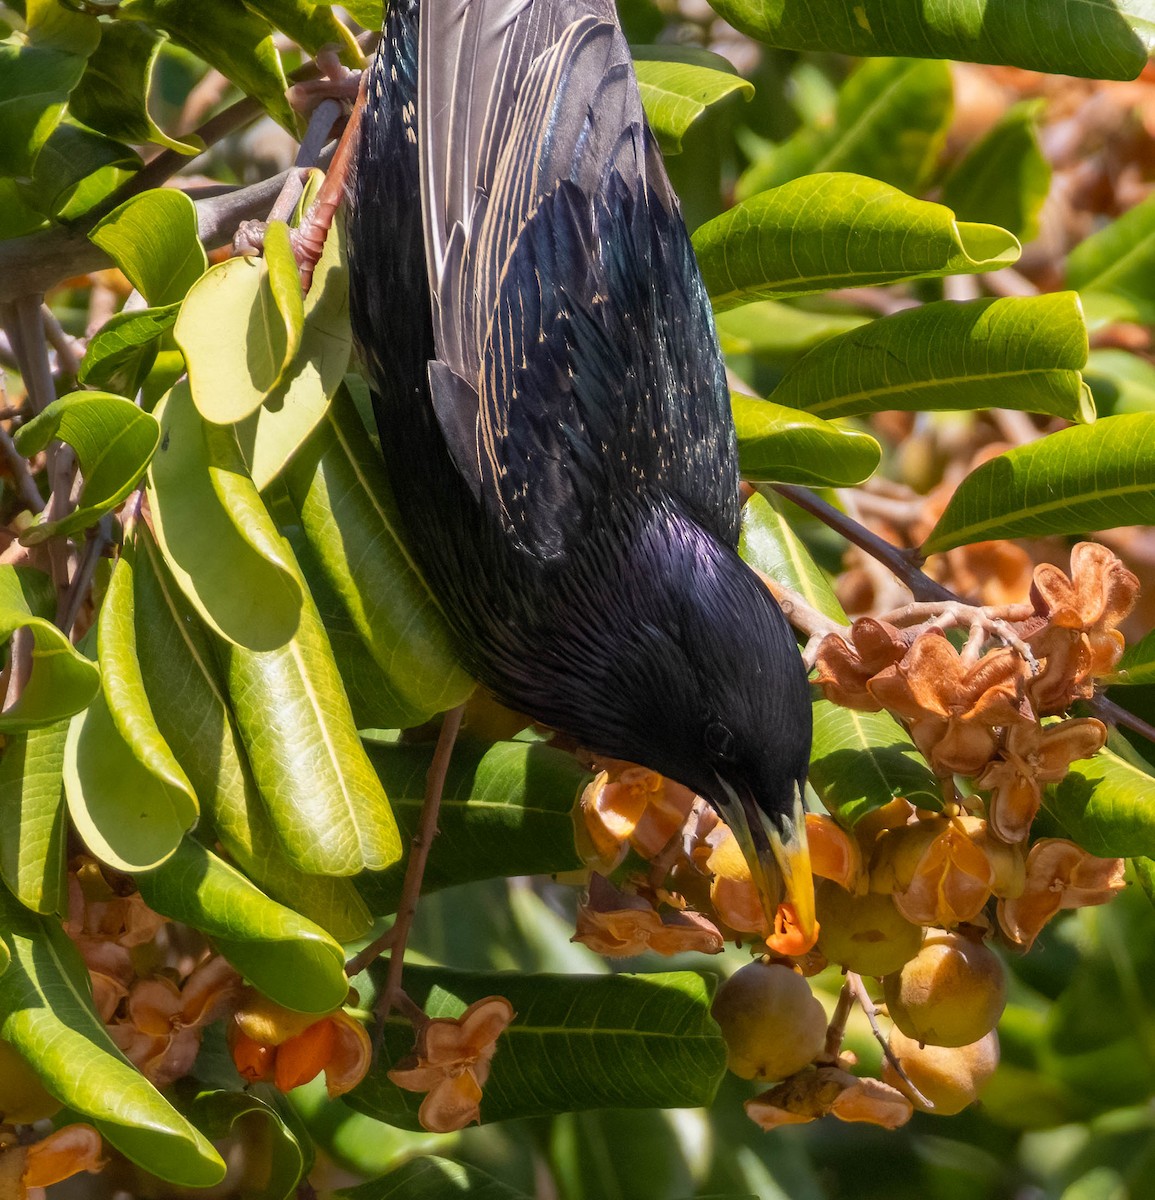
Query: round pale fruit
(865, 934)
(22, 1095)
(950, 1077)
(771, 1022)
(950, 994)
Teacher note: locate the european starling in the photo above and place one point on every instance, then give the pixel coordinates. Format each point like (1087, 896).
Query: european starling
(554, 413)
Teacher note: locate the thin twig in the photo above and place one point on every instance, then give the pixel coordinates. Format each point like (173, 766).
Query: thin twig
(68, 360)
(32, 351)
(99, 538)
(901, 563)
(21, 473)
(836, 1030)
(854, 982)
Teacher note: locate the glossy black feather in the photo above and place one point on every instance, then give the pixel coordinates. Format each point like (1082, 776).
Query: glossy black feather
(566, 467)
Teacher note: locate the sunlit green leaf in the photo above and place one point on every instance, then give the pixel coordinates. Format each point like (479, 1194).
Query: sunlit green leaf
(112, 95)
(46, 1013)
(1063, 37)
(1104, 803)
(217, 538)
(310, 25)
(836, 230)
(349, 518)
(1012, 353)
(578, 1041)
(32, 826)
(114, 441)
(324, 799)
(1004, 177)
(791, 446)
(227, 36)
(1120, 381)
(1089, 477)
(153, 239)
(121, 353)
(188, 699)
(679, 84)
(283, 954)
(1119, 260)
(507, 809)
(890, 124)
(780, 333)
(62, 681)
(128, 796)
(69, 162)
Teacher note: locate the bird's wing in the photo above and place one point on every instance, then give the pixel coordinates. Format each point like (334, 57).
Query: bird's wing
(576, 349)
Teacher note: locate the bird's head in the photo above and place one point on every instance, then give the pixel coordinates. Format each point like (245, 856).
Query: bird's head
(706, 686)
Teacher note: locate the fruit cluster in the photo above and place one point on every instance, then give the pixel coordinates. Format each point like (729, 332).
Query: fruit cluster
(904, 895)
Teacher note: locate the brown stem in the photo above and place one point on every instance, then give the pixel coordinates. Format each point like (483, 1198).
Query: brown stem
(900, 563)
(98, 539)
(854, 982)
(836, 1030)
(66, 356)
(21, 473)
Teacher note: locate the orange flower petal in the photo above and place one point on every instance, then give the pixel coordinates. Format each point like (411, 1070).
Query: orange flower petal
(951, 884)
(305, 1056)
(454, 1103)
(154, 1005)
(787, 938)
(255, 1061)
(872, 1101)
(833, 853)
(62, 1154)
(352, 1055)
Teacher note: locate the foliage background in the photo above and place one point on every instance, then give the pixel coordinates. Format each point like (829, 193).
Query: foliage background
(1062, 164)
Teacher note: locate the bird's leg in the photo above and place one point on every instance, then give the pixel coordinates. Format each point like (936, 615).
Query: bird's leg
(858, 988)
(397, 936)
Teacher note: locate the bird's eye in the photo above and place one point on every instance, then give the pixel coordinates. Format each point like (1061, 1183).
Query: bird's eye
(719, 740)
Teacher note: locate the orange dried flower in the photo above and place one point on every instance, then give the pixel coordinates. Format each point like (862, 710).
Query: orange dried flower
(620, 925)
(627, 804)
(451, 1062)
(1059, 875)
(819, 1091)
(1034, 755)
(952, 710)
(161, 1031)
(271, 1044)
(845, 667)
(62, 1154)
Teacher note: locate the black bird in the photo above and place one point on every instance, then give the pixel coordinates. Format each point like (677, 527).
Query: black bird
(554, 413)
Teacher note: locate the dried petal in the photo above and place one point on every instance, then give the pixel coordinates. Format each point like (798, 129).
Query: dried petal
(951, 883)
(872, 1101)
(833, 853)
(352, 1055)
(62, 1154)
(454, 1103)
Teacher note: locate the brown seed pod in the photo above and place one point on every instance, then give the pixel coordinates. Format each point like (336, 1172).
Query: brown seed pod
(949, 1077)
(951, 993)
(864, 934)
(772, 1024)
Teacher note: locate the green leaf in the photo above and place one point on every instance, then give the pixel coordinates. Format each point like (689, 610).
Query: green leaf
(833, 231)
(778, 333)
(62, 681)
(1104, 804)
(46, 1013)
(890, 123)
(178, 664)
(431, 1178)
(153, 239)
(507, 809)
(128, 796)
(227, 36)
(283, 954)
(790, 446)
(114, 441)
(679, 84)
(769, 544)
(349, 518)
(1011, 353)
(217, 1113)
(577, 1042)
(311, 26)
(112, 95)
(32, 827)
(1090, 477)
(1137, 666)
(218, 539)
(67, 167)
(1063, 37)
(1120, 381)
(121, 353)
(324, 798)
(1119, 260)
(278, 395)
(1004, 178)
(37, 72)
(860, 761)
(620, 1153)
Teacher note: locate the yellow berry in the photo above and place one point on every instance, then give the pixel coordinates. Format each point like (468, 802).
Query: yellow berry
(865, 934)
(950, 1077)
(951, 993)
(771, 1022)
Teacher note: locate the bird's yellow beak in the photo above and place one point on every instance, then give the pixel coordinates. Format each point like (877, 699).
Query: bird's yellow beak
(778, 857)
